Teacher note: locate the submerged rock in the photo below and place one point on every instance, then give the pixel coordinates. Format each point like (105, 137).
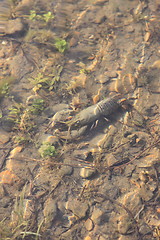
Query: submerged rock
(78, 208)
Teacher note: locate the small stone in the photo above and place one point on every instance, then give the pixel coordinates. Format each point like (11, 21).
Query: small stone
(53, 140)
(125, 224)
(50, 211)
(87, 172)
(14, 26)
(103, 79)
(8, 177)
(78, 208)
(129, 28)
(150, 159)
(100, 16)
(7, 124)
(87, 238)
(102, 238)
(89, 224)
(4, 137)
(97, 215)
(65, 170)
(143, 176)
(15, 151)
(132, 201)
(111, 74)
(13, 164)
(110, 159)
(5, 201)
(100, 2)
(129, 237)
(145, 192)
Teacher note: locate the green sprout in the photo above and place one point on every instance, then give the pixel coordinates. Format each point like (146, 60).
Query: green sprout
(47, 150)
(37, 106)
(15, 113)
(61, 45)
(48, 81)
(5, 89)
(21, 140)
(85, 71)
(22, 116)
(46, 17)
(5, 85)
(32, 15)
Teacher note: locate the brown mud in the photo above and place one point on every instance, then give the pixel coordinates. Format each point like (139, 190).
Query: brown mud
(100, 182)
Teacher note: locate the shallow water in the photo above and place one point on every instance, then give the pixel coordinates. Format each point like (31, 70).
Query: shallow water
(66, 56)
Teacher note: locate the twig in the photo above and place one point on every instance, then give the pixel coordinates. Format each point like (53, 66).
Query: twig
(114, 166)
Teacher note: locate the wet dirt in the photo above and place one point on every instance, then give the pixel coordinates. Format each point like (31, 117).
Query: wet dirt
(101, 183)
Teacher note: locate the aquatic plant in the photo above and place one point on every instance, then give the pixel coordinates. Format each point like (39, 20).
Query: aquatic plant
(47, 82)
(5, 85)
(61, 45)
(21, 139)
(23, 117)
(47, 150)
(37, 106)
(15, 113)
(5, 90)
(46, 17)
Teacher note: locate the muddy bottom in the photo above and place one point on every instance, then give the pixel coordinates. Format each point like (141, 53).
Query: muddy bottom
(72, 164)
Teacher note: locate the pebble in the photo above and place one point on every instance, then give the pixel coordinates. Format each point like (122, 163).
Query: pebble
(110, 159)
(66, 170)
(129, 237)
(14, 26)
(145, 192)
(102, 238)
(107, 140)
(4, 137)
(12, 164)
(7, 177)
(4, 202)
(132, 201)
(78, 208)
(53, 140)
(89, 224)
(103, 79)
(15, 151)
(87, 172)
(7, 124)
(20, 66)
(87, 238)
(129, 28)
(150, 159)
(97, 215)
(100, 16)
(124, 225)
(100, 2)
